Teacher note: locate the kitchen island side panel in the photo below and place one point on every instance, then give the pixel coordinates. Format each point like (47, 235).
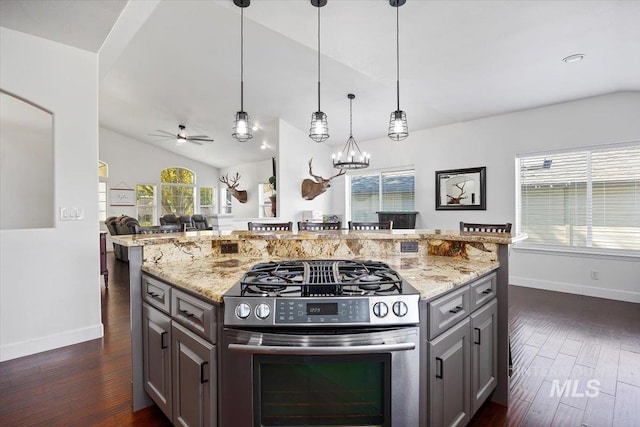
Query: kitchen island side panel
(501, 393)
(140, 397)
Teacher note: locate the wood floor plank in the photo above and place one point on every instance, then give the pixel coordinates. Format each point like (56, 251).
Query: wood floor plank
(582, 386)
(571, 347)
(606, 371)
(532, 379)
(629, 369)
(567, 416)
(589, 353)
(599, 411)
(627, 408)
(543, 408)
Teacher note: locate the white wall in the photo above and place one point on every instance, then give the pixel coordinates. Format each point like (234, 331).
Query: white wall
(49, 281)
(494, 142)
(296, 148)
(133, 162)
(251, 174)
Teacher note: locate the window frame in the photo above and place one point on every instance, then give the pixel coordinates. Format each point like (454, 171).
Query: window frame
(193, 186)
(379, 173)
(587, 251)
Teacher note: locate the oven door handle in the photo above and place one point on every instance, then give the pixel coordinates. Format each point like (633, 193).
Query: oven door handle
(354, 349)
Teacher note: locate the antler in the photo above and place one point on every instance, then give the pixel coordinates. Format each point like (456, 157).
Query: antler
(321, 179)
(225, 180)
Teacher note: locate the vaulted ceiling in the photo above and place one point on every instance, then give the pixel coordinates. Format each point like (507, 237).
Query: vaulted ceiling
(459, 60)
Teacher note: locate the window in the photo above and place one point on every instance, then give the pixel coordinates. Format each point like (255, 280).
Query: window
(207, 201)
(177, 191)
(587, 198)
(383, 191)
(225, 196)
(146, 204)
(103, 174)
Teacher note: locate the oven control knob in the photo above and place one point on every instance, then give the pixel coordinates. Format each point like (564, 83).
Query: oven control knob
(263, 311)
(243, 310)
(380, 309)
(400, 309)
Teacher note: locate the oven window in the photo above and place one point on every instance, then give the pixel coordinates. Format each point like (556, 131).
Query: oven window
(347, 390)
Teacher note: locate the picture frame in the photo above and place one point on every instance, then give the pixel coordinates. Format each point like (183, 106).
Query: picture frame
(122, 197)
(461, 189)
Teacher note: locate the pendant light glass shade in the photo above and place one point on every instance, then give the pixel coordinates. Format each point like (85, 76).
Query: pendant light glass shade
(398, 128)
(242, 124)
(242, 127)
(351, 157)
(319, 130)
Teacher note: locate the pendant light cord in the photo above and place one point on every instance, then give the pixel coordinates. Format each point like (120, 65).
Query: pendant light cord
(241, 59)
(398, 55)
(350, 118)
(318, 58)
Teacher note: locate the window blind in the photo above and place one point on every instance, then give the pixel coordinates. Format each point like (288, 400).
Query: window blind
(589, 198)
(386, 191)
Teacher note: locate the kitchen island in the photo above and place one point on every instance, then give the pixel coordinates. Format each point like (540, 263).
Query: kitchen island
(207, 264)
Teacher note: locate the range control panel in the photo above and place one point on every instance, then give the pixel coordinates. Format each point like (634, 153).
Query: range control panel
(337, 311)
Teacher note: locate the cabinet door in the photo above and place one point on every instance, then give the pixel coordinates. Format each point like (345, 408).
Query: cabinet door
(156, 333)
(194, 379)
(449, 377)
(484, 349)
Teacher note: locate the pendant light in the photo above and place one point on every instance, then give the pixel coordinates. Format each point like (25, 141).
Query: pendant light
(319, 131)
(351, 157)
(242, 124)
(398, 129)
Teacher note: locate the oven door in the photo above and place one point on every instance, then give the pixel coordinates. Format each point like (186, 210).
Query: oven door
(310, 378)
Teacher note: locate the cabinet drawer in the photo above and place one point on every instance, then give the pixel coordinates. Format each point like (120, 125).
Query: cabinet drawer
(195, 314)
(156, 293)
(448, 310)
(482, 291)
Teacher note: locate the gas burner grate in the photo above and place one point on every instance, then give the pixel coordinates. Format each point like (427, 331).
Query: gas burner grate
(321, 278)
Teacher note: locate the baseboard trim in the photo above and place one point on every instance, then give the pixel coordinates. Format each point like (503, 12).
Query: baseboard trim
(590, 291)
(50, 342)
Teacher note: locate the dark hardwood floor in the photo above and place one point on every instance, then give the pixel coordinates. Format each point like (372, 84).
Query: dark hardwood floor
(87, 384)
(555, 337)
(576, 362)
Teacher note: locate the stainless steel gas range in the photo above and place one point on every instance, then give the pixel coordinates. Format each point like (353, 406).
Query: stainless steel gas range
(320, 343)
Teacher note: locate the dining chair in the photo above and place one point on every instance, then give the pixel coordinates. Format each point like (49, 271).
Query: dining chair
(485, 228)
(318, 226)
(385, 225)
(270, 226)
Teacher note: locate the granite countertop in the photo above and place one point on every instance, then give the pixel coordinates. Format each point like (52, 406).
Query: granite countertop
(207, 235)
(211, 277)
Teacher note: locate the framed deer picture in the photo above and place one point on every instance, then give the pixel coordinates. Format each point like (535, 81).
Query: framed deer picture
(461, 189)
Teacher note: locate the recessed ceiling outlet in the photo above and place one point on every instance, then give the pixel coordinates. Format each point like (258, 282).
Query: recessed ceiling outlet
(574, 58)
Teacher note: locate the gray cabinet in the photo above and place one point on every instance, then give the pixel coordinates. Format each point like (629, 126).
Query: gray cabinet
(156, 335)
(484, 349)
(179, 353)
(449, 377)
(194, 379)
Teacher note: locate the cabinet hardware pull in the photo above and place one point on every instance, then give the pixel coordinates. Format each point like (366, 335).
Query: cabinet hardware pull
(162, 344)
(456, 309)
(487, 291)
(202, 379)
(152, 294)
(185, 313)
(439, 368)
(479, 335)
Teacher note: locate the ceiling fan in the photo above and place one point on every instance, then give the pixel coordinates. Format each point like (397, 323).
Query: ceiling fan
(181, 137)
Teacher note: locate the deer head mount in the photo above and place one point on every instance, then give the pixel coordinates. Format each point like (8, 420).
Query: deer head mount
(311, 189)
(240, 195)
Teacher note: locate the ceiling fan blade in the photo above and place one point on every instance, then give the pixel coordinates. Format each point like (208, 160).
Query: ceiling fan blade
(162, 133)
(197, 136)
(200, 139)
